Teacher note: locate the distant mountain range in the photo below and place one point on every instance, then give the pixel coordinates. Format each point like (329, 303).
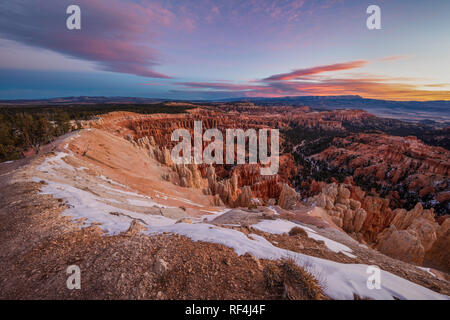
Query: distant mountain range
(82, 100)
(429, 112)
(426, 111)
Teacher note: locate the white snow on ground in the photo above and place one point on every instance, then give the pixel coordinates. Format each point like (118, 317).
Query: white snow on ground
(283, 226)
(128, 193)
(166, 196)
(112, 200)
(212, 214)
(134, 194)
(273, 210)
(427, 270)
(113, 182)
(52, 163)
(186, 201)
(145, 203)
(340, 281)
(84, 204)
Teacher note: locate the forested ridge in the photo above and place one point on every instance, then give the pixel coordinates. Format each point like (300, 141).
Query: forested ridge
(27, 127)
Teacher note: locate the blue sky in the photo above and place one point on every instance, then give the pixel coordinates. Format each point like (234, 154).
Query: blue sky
(216, 49)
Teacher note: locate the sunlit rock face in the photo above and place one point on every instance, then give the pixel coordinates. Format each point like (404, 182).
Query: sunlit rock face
(413, 236)
(235, 185)
(373, 189)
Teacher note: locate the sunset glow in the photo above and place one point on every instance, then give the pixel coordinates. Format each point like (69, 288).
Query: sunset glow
(207, 49)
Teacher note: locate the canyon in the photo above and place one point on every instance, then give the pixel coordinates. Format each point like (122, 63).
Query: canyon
(383, 177)
(358, 196)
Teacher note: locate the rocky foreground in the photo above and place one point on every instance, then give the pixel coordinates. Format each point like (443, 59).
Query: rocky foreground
(108, 199)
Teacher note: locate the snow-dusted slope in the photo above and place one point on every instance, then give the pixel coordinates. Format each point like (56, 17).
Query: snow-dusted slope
(340, 281)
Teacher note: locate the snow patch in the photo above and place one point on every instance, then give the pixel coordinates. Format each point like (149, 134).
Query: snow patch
(166, 196)
(54, 164)
(212, 214)
(145, 203)
(273, 210)
(427, 270)
(84, 204)
(340, 281)
(283, 226)
(113, 182)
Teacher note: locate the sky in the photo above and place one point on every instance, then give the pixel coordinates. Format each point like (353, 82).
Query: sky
(215, 49)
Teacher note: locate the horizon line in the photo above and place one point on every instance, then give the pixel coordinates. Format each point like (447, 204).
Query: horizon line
(214, 100)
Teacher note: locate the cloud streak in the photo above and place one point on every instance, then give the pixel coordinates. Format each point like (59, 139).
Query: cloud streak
(115, 34)
(122, 35)
(299, 73)
(301, 82)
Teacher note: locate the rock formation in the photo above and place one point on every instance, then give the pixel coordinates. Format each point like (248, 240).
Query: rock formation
(401, 164)
(289, 198)
(412, 234)
(345, 212)
(187, 176)
(401, 244)
(439, 254)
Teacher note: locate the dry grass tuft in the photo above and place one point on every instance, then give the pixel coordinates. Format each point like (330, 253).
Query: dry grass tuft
(286, 280)
(298, 231)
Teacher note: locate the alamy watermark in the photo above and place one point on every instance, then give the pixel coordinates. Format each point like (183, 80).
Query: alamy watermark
(74, 280)
(234, 153)
(374, 20)
(73, 22)
(374, 278)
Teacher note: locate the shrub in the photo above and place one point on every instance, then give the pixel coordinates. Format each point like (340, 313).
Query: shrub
(286, 280)
(298, 231)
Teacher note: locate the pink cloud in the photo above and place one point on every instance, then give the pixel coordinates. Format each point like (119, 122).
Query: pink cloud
(317, 70)
(394, 58)
(116, 35)
(295, 84)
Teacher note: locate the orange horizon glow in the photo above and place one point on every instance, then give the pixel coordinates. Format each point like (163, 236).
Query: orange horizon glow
(321, 81)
